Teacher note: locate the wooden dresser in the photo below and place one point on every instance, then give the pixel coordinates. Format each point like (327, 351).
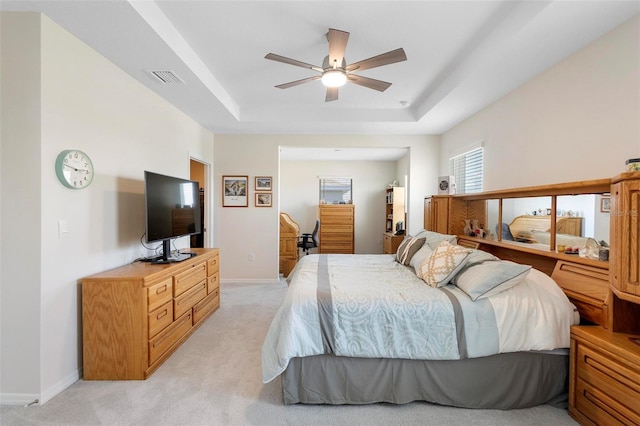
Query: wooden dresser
(289, 233)
(336, 228)
(134, 317)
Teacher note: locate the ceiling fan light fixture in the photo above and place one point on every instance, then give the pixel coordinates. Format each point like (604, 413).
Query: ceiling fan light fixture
(334, 78)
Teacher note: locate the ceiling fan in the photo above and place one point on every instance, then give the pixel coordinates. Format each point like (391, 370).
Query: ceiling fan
(335, 72)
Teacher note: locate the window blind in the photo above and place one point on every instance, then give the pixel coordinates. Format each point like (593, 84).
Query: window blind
(467, 170)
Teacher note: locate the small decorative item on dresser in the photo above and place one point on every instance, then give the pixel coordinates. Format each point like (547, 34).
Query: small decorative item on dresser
(633, 164)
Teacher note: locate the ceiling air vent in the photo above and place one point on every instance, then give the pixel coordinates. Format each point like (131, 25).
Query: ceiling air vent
(166, 77)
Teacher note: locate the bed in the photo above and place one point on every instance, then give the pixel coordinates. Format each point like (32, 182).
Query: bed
(359, 329)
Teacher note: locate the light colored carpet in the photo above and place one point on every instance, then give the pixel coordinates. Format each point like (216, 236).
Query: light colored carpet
(214, 378)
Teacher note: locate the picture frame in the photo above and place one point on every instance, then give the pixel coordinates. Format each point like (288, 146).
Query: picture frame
(263, 183)
(605, 204)
(235, 191)
(263, 199)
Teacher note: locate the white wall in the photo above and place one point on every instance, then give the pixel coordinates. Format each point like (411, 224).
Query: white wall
(240, 231)
(578, 120)
(83, 102)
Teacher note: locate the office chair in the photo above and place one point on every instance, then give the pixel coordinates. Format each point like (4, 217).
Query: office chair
(309, 241)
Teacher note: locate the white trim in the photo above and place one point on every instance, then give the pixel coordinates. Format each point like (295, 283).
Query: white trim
(22, 399)
(256, 281)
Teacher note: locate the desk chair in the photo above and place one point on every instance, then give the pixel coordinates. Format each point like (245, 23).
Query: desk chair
(309, 241)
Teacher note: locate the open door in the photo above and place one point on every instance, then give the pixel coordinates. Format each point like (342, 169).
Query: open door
(198, 172)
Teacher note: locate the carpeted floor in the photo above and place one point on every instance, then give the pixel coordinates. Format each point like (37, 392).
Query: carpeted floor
(214, 378)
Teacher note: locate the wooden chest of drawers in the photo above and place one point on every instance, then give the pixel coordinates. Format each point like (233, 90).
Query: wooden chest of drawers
(604, 387)
(336, 228)
(136, 316)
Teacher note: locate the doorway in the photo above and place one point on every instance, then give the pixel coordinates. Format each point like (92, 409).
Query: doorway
(198, 171)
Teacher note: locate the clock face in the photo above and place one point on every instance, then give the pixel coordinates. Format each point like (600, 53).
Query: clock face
(74, 169)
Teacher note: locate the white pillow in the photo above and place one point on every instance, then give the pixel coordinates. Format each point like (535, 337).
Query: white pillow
(443, 264)
(419, 258)
(434, 238)
(489, 278)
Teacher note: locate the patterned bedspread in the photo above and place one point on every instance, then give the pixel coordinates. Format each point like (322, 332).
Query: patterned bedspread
(371, 306)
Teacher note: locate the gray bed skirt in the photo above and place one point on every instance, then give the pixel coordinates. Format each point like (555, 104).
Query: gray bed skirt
(504, 381)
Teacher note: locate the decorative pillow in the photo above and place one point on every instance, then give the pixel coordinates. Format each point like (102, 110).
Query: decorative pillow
(489, 278)
(419, 258)
(443, 264)
(407, 248)
(434, 238)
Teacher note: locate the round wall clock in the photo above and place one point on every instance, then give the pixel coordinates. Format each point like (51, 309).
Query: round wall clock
(74, 169)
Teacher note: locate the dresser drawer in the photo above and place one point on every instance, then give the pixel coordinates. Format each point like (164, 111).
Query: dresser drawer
(187, 279)
(160, 318)
(167, 338)
(207, 305)
(213, 283)
(609, 383)
(212, 265)
(186, 300)
(159, 294)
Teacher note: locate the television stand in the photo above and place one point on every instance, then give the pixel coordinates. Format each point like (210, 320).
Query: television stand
(173, 258)
(168, 257)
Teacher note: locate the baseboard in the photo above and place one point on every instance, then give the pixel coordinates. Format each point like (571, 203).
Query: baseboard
(250, 281)
(18, 398)
(25, 399)
(52, 391)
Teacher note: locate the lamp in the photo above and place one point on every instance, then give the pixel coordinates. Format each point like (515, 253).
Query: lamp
(334, 78)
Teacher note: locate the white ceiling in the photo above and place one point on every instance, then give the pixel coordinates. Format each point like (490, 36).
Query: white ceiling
(462, 55)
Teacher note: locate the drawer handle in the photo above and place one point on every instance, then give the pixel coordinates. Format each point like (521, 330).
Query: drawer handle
(162, 314)
(161, 289)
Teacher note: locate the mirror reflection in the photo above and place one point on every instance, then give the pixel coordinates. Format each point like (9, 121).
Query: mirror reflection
(581, 220)
(524, 220)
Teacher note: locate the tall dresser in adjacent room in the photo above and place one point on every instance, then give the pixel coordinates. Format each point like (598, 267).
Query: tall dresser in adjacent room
(337, 225)
(134, 317)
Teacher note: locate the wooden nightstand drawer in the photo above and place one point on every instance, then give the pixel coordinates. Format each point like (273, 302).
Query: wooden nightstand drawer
(187, 279)
(604, 386)
(160, 318)
(612, 379)
(159, 294)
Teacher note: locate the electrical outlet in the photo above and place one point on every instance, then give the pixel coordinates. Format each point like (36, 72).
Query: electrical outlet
(252, 257)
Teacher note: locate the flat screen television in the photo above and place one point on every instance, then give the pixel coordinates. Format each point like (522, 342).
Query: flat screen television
(172, 210)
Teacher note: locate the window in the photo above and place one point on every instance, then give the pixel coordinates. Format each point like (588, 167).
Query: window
(335, 190)
(467, 170)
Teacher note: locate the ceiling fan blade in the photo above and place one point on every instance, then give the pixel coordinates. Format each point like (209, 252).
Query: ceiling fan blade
(371, 83)
(391, 57)
(332, 94)
(284, 60)
(337, 45)
(298, 82)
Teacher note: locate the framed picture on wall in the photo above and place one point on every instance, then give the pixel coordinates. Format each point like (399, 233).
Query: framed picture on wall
(263, 199)
(605, 204)
(235, 191)
(263, 183)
